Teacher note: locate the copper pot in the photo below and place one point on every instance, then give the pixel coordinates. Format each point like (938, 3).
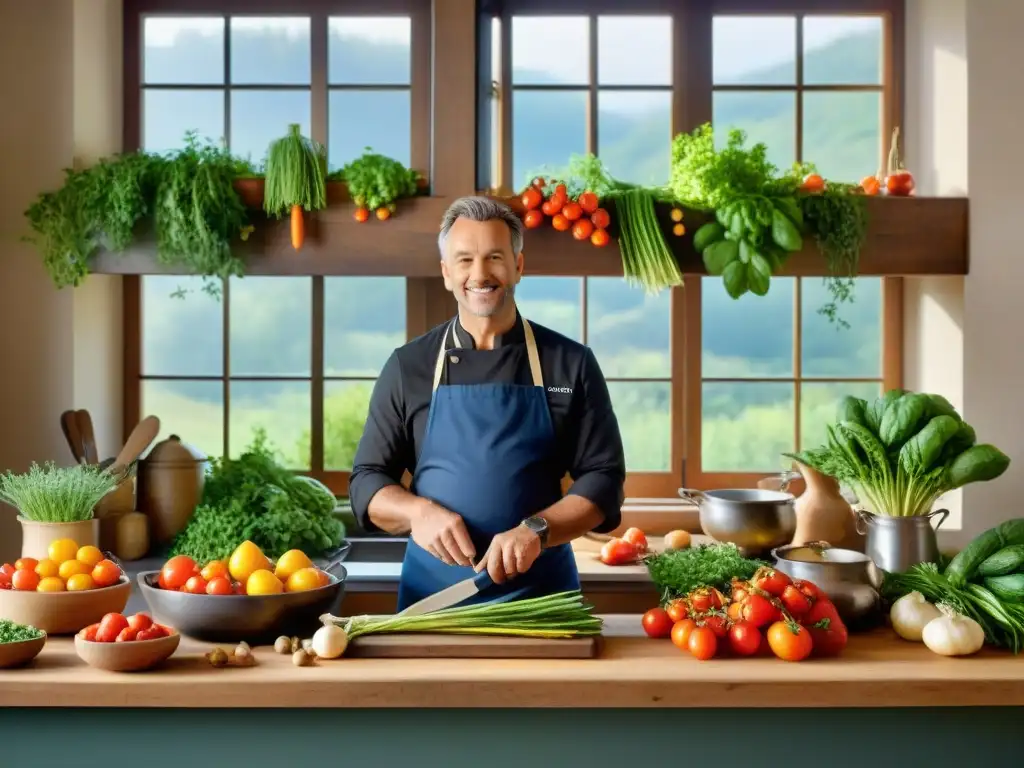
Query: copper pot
(170, 485)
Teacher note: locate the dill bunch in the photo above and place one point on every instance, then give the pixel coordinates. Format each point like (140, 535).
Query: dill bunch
(52, 494)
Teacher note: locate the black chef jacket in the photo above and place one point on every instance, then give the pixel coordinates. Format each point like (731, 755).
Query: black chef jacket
(589, 445)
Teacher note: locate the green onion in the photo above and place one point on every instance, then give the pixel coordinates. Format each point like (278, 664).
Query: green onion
(647, 261)
(561, 615)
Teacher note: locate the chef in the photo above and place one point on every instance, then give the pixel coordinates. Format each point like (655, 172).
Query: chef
(488, 412)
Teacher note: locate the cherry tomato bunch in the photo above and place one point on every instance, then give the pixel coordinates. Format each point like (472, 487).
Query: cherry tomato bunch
(792, 619)
(581, 215)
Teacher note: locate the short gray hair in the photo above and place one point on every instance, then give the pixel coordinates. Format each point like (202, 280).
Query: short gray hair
(479, 208)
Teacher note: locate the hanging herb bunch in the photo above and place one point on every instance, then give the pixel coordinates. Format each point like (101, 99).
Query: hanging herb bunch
(296, 171)
(375, 182)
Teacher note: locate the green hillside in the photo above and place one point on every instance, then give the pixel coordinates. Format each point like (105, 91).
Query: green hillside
(746, 426)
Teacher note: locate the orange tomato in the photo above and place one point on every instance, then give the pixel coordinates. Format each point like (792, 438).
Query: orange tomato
(25, 579)
(599, 238)
(702, 643)
(813, 183)
(196, 585)
(582, 229)
(140, 621)
(89, 633)
(213, 569)
(551, 206)
(25, 564)
(681, 631)
(361, 214)
(560, 223)
(600, 218)
(572, 211)
(871, 185)
(106, 573)
(588, 202)
(110, 627)
(561, 191)
(218, 585)
(126, 635)
(383, 214)
(790, 641)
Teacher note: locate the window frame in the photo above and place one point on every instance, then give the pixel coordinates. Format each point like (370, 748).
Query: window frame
(427, 302)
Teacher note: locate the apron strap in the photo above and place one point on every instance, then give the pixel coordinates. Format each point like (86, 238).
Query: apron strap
(531, 353)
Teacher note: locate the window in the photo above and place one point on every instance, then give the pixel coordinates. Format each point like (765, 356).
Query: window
(295, 357)
(772, 369)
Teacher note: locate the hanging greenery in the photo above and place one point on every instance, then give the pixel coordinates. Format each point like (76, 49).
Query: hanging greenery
(296, 170)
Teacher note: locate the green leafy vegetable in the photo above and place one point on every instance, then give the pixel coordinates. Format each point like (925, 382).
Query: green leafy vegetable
(898, 456)
(678, 572)
(255, 498)
(375, 181)
(12, 632)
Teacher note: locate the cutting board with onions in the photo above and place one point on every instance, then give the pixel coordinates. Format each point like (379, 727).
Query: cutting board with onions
(440, 646)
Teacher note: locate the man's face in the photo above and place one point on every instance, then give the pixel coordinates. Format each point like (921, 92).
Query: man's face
(479, 266)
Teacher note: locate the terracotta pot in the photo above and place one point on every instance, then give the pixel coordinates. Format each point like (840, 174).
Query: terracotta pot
(36, 537)
(822, 514)
(171, 480)
(250, 190)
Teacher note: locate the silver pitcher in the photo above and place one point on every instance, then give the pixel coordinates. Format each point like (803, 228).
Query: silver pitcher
(896, 543)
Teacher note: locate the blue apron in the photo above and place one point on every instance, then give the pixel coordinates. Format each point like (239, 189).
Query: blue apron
(488, 455)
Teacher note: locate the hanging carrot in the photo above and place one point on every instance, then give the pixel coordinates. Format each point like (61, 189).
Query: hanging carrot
(295, 180)
(298, 227)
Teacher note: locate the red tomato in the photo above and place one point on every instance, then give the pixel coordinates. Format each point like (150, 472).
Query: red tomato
(126, 635)
(551, 206)
(25, 580)
(829, 637)
(177, 571)
(559, 222)
(618, 552)
(588, 202)
(599, 238)
(89, 633)
(140, 621)
(759, 611)
(218, 585)
(744, 638)
(8, 569)
(105, 573)
(361, 214)
(239, 588)
(637, 538)
(790, 641)
(822, 609)
(539, 182)
(813, 183)
(5, 581)
(809, 589)
(25, 564)
(152, 633)
(600, 218)
(899, 184)
(705, 599)
(702, 643)
(677, 610)
(717, 624)
(795, 601)
(110, 627)
(681, 633)
(740, 590)
(771, 581)
(196, 585)
(561, 191)
(657, 623)
(533, 219)
(582, 229)
(532, 198)
(572, 211)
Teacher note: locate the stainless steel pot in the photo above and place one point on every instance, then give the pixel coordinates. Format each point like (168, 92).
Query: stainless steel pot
(896, 543)
(849, 578)
(753, 519)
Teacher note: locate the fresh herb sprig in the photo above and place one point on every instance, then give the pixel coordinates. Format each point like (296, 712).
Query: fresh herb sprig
(376, 181)
(678, 572)
(52, 494)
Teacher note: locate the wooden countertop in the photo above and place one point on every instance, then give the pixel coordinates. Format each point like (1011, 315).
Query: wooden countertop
(877, 670)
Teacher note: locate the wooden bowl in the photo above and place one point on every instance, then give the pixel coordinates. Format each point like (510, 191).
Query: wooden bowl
(131, 656)
(16, 654)
(64, 613)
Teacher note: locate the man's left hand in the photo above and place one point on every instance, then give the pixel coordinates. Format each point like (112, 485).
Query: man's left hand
(510, 554)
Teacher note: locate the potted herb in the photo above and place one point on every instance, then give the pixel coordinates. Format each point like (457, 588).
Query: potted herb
(375, 182)
(295, 179)
(56, 503)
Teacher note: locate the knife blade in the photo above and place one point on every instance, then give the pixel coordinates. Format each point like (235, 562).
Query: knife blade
(450, 596)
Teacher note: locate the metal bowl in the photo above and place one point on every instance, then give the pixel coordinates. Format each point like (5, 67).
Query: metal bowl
(849, 578)
(753, 519)
(257, 619)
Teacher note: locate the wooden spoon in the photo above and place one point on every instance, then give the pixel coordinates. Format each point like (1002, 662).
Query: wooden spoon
(88, 437)
(69, 425)
(142, 435)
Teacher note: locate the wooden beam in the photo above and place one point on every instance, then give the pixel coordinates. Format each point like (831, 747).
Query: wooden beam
(906, 236)
(454, 98)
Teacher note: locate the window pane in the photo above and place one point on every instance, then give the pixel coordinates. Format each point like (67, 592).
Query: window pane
(554, 302)
(628, 329)
(168, 115)
(644, 415)
(635, 134)
(346, 404)
(751, 337)
(364, 321)
(547, 128)
(818, 406)
(745, 427)
(260, 117)
(634, 50)
(766, 117)
(181, 335)
(270, 326)
(270, 51)
(281, 409)
(843, 50)
(183, 51)
(754, 50)
(831, 351)
(843, 133)
(535, 41)
(360, 119)
(192, 410)
(367, 50)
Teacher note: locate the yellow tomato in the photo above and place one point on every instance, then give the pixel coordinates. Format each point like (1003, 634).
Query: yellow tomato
(62, 550)
(89, 555)
(291, 561)
(306, 578)
(80, 582)
(246, 559)
(47, 568)
(263, 582)
(51, 584)
(70, 568)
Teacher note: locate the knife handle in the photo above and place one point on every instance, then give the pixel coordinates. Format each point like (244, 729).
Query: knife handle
(483, 580)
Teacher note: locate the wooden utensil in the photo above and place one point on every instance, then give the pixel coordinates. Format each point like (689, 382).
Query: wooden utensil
(88, 436)
(138, 441)
(69, 425)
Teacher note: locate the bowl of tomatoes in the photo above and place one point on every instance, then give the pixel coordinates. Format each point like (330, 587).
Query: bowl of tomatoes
(119, 643)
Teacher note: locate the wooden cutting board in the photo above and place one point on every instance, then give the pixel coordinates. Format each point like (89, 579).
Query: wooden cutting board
(418, 646)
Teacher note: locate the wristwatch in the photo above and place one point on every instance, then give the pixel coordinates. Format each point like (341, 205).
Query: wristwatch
(538, 525)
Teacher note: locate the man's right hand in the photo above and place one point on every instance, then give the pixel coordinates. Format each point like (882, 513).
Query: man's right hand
(443, 534)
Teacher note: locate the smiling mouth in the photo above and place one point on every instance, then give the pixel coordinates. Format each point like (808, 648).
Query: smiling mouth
(483, 290)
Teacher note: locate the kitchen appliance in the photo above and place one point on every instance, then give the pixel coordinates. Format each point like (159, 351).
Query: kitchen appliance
(754, 519)
(450, 596)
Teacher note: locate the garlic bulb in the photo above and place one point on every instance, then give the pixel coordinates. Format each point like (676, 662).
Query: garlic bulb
(953, 635)
(910, 614)
(330, 641)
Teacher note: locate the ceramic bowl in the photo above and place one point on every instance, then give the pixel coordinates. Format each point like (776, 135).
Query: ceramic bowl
(131, 656)
(64, 613)
(257, 619)
(17, 654)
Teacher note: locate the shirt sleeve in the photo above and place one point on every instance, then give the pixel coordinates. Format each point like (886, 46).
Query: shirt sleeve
(597, 464)
(384, 449)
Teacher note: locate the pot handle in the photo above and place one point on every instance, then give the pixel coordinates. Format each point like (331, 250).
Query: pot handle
(336, 556)
(692, 495)
(943, 512)
(860, 517)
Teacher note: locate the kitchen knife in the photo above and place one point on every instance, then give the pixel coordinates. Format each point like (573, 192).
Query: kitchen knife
(450, 596)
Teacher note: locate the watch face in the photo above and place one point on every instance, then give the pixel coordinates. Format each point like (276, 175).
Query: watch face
(536, 524)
